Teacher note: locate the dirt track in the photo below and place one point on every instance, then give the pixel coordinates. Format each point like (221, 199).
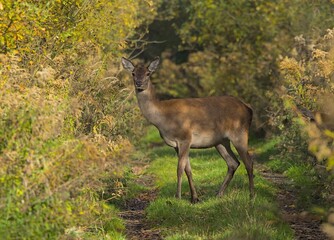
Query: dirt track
(305, 225)
(133, 211)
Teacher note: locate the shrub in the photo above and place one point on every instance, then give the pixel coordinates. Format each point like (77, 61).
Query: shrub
(308, 91)
(65, 117)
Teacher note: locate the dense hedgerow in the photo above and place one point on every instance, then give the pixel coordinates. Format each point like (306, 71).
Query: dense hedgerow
(65, 117)
(308, 94)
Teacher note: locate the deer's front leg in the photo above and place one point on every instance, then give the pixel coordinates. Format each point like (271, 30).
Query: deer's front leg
(183, 154)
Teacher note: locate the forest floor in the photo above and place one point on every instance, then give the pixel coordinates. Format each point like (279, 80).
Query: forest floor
(304, 224)
(133, 209)
(147, 213)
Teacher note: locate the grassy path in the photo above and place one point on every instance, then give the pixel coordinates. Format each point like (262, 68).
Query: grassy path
(141, 191)
(304, 224)
(233, 216)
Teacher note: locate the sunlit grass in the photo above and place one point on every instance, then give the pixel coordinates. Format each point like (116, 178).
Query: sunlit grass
(234, 216)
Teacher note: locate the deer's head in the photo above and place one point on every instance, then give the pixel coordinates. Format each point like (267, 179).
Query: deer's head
(140, 73)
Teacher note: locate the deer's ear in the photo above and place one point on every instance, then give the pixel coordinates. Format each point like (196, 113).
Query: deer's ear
(127, 64)
(154, 64)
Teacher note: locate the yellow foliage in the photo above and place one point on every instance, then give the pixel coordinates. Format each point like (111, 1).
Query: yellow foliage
(310, 86)
(291, 69)
(65, 117)
(329, 226)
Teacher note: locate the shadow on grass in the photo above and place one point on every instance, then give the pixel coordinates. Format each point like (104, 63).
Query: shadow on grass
(207, 189)
(208, 158)
(209, 170)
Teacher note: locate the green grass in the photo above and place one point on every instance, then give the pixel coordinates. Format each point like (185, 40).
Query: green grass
(310, 186)
(233, 216)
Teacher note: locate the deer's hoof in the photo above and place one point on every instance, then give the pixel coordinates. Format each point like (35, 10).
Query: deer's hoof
(219, 194)
(195, 200)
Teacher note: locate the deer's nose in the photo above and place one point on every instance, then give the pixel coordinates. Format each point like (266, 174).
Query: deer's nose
(138, 83)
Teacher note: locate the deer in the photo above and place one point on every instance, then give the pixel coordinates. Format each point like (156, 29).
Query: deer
(183, 124)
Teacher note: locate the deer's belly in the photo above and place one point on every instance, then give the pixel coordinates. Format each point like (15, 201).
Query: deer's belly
(204, 140)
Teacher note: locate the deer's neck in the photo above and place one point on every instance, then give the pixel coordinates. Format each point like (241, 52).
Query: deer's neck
(149, 104)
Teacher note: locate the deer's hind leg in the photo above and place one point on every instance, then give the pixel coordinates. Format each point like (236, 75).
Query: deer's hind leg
(242, 147)
(232, 162)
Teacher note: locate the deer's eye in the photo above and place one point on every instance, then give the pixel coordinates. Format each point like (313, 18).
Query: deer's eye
(148, 74)
(133, 74)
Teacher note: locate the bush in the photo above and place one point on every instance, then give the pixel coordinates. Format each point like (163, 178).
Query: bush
(308, 91)
(65, 117)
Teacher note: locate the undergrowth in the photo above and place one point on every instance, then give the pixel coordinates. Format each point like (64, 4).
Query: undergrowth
(311, 183)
